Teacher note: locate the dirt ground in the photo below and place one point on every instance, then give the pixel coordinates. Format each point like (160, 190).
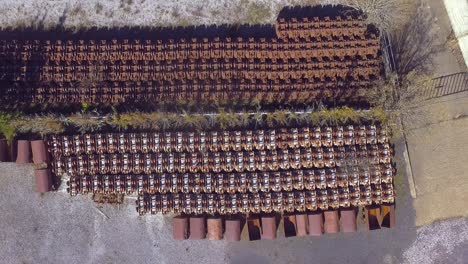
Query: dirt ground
(437, 148)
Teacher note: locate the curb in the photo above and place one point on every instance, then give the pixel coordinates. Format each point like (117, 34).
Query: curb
(409, 171)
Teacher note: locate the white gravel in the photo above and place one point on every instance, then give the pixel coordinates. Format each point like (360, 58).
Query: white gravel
(437, 241)
(75, 14)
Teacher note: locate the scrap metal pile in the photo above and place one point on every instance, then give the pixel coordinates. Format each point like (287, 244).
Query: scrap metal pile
(230, 172)
(308, 58)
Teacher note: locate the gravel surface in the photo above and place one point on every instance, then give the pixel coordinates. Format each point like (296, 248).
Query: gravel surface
(118, 13)
(57, 228)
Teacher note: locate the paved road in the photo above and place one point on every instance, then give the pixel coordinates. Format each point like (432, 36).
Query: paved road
(55, 228)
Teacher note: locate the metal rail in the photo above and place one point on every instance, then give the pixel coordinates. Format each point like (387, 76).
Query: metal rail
(447, 85)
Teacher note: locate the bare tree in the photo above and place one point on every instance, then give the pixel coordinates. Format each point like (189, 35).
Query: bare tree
(385, 14)
(415, 43)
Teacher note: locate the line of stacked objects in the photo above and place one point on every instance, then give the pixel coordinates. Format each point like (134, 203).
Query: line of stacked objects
(231, 173)
(308, 57)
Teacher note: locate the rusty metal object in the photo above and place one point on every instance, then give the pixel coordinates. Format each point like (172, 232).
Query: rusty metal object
(348, 220)
(233, 230)
(197, 227)
(24, 152)
(108, 198)
(331, 222)
(42, 180)
(339, 53)
(268, 227)
(39, 151)
(214, 228)
(315, 223)
(180, 227)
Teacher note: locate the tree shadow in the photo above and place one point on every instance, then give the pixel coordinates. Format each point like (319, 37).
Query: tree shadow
(414, 45)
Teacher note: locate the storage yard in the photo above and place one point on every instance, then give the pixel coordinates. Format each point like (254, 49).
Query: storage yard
(323, 131)
(315, 176)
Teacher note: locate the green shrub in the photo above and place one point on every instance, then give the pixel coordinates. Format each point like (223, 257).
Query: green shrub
(6, 128)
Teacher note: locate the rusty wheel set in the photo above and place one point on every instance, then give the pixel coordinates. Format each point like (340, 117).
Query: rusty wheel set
(231, 172)
(308, 57)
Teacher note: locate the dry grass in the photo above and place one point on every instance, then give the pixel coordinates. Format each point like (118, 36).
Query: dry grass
(157, 121)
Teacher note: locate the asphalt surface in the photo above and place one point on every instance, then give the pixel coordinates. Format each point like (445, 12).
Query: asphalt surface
(57, 228)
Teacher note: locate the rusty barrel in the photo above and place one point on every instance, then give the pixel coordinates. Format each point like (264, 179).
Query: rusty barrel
(233, 230)
(348, 220)
(24, 152)
(331, 222)
(388, 215)
(269, 227)
(302, 226)
(42, 178)
(215, 228)
(197, 227)
(290, 225)
(180, 226)
(39, 151)
(315, 224)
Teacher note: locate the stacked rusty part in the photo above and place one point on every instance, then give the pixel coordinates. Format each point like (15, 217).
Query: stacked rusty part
(239, 203)
(225, 172)
(216, 141)
(309, 58)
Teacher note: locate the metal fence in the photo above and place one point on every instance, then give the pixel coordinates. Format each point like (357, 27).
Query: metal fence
(447, 85)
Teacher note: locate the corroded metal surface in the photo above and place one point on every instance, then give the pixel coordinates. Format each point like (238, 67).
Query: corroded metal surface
(307, 57)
